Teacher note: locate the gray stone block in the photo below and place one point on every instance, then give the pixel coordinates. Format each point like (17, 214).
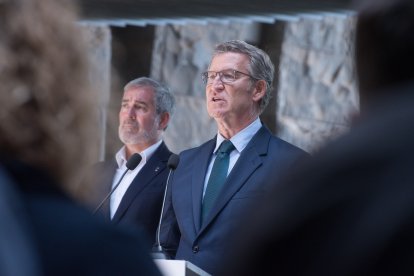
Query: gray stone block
(190, 125)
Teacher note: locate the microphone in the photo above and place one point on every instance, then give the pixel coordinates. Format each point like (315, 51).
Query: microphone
(172, 165)
(131, 164)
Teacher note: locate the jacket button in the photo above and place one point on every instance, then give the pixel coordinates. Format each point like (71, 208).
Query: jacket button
(195, 249)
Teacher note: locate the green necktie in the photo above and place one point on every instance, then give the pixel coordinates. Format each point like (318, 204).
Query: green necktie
(217, 177)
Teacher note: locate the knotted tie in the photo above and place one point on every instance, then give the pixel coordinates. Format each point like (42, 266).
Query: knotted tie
(217, 177)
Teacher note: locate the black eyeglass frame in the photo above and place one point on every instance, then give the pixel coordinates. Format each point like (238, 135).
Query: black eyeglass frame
(204, 76)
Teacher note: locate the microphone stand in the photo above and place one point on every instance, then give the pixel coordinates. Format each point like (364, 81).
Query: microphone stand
(172, 164)
(131, 164)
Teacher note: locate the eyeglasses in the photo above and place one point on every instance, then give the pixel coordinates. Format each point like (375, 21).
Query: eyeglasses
(225, 76)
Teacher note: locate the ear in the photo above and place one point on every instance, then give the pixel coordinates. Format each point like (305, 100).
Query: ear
(259, 90)
(164, 119)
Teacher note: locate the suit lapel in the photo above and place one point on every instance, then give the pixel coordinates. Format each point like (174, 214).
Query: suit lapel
(154, 166)
(197, 185)
(249, 161)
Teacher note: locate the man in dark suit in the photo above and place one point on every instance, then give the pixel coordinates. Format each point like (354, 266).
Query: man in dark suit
(145, 112)
(350, 211)
(213, 186)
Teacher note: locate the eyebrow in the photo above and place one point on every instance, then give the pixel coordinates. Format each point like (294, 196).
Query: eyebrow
(135, 102)
(222, 70)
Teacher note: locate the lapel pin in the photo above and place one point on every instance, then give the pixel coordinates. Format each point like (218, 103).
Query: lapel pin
(157, 169)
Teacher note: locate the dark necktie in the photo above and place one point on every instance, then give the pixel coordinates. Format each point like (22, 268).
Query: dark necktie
(217, 177)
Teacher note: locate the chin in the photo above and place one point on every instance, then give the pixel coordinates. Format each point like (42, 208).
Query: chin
(216, 114)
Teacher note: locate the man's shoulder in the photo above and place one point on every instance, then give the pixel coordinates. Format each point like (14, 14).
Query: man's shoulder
(163, 151)
(201, 148)
(285, 145)
(276, 144)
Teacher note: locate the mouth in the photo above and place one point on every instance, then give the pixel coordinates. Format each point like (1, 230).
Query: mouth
(129, 125)
(216, 99)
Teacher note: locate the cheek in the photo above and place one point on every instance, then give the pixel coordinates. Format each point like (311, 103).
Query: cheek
(147, 122)
(121, 116)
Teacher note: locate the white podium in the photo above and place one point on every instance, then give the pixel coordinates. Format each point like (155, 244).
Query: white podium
(179, 268)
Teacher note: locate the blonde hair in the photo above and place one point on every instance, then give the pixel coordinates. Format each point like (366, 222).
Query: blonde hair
(46, 113)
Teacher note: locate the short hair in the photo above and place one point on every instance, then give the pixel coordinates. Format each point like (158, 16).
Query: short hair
(164, 99)
(47, 118)
(261, 67)
(384, 46)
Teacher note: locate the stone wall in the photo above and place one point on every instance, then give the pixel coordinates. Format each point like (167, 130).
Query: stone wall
(315, 83)
(190, 125)
(317, 87)
(99, 49)
(181, 53)
(315, 90)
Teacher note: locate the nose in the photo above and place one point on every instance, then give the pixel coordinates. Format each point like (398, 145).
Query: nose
(217, 86)
(131, 113)
(217, 82)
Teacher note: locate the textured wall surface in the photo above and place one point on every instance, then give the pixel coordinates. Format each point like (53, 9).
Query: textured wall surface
(315, 86)
(190, 126)
(99, 51)
(317, 89)
(181, 54)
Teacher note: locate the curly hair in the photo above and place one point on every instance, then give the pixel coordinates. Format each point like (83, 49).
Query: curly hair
(46, 113)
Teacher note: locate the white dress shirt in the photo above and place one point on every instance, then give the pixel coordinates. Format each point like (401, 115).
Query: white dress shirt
(119, 193)
(240, 141)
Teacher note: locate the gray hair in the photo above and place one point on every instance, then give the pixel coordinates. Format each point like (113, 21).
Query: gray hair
(164, 99)
(261, 67)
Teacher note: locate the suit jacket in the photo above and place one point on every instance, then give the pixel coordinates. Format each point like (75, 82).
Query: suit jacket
(265, 157)
(68, 240)
(141, 204)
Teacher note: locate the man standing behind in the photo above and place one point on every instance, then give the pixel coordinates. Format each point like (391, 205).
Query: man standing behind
(217, 182)
(145, 112)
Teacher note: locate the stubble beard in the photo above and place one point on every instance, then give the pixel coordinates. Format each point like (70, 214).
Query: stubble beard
(133, 135)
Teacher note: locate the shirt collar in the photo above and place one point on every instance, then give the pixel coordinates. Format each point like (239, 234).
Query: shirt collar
(145, 154)
(242, 138)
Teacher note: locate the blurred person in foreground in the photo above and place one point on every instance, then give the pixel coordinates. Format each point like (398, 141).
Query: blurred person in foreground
(18, 256)
(215, 182)
(47, 136)
(351, 211)
(146, 109)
